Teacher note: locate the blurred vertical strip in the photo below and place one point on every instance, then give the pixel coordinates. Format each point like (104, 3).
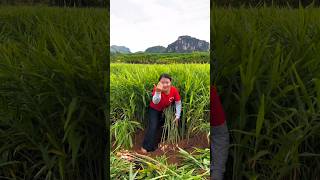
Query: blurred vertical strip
(268, 78)
(107, 93)
(54, 88)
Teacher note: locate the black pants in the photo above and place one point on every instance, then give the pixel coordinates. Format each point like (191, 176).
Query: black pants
(156, 120)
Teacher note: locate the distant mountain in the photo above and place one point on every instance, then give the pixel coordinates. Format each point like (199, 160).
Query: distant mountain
(156, 49)
(186, 44)
(119, 49)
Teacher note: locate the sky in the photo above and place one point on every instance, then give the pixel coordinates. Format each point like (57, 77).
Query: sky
(139, 24)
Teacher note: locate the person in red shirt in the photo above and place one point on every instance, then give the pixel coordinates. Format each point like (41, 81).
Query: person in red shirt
(163, 95)
(219, 136)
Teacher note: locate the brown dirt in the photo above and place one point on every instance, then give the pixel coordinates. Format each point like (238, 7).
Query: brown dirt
(170, 150)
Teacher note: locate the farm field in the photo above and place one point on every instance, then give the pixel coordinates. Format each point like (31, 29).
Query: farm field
(130, 88)
(52, 93)
(161, 58)
(266, 67)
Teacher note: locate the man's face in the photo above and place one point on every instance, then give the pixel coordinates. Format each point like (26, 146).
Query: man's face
(166, 83)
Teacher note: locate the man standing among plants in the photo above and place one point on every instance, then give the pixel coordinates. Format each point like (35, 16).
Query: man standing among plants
(163, 95)
(219, 136)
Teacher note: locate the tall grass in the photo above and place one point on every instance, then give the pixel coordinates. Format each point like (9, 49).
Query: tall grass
(123, 132)
(52, 96)
(266, 66)
(131, 87)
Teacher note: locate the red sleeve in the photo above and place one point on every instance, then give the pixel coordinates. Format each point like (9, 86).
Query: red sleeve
(217, 116)
(177, 95)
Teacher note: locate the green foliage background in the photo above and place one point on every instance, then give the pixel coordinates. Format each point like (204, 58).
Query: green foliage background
(161, 58)
(69, 3)
(53, 77)
(265, 63)
(257, 3)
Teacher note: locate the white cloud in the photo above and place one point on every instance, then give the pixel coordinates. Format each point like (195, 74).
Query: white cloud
(139, 24)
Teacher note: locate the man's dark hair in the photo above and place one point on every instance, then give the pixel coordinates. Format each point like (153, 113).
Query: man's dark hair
(164, 75)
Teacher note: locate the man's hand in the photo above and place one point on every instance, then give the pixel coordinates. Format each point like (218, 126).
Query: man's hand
(176, 120)
(158, 87)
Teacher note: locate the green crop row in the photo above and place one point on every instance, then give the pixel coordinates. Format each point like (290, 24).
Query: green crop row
(52, 96)
(266, 66)
(161, 58)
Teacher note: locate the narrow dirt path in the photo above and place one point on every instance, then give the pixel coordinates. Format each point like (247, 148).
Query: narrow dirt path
(170, 150)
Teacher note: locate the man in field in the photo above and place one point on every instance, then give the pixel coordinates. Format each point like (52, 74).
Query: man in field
(219, 136)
